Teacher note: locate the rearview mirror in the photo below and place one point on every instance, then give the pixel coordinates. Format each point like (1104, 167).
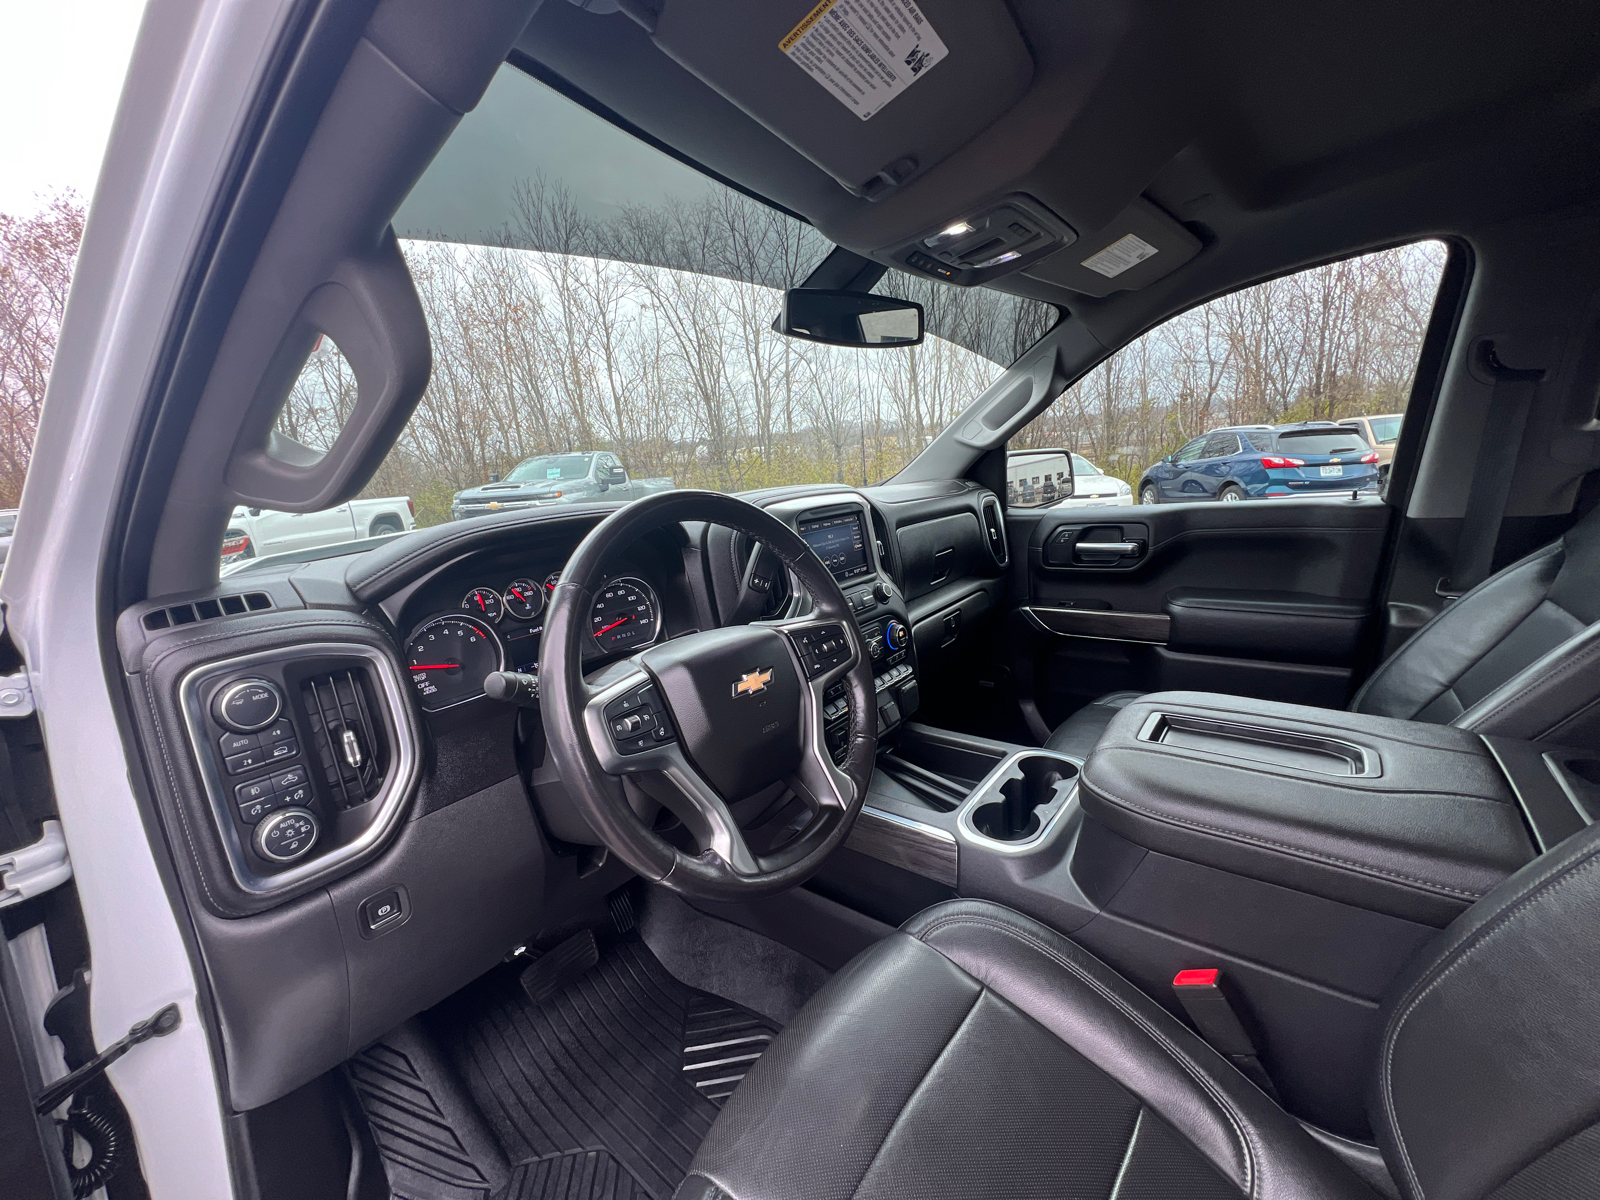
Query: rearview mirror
(857, 319)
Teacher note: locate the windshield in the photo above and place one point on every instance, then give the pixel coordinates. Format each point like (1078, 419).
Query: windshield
(1319, 442)
(1082, 466)
(562, 466)
(587, 293)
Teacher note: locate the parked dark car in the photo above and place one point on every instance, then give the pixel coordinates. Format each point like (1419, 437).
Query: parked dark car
(1249, 462)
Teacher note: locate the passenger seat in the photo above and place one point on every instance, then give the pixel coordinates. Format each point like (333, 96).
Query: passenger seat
(1518, 656)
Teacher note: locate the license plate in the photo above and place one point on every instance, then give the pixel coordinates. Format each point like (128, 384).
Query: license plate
(1332, 471)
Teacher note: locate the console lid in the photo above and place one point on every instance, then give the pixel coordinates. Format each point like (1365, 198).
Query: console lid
(1416, 821)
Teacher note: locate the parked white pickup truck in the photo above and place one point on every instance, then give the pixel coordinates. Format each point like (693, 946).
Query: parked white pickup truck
(258, 532)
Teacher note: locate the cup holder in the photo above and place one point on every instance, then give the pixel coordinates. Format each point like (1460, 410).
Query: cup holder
(1025, 802)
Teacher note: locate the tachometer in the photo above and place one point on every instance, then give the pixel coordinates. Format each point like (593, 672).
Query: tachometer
(449, 656)
(524, 599)
(485, 603)
(624, 616)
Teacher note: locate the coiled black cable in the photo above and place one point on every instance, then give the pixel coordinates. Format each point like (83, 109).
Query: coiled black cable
(104, 1136)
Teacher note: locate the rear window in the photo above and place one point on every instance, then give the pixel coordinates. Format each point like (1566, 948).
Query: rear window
(1319, 442)
(1386, 429)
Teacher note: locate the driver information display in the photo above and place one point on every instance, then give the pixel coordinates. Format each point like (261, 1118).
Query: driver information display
(839, 543)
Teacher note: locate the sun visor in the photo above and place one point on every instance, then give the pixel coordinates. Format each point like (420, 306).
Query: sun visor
(1141, 245)
(875, 92)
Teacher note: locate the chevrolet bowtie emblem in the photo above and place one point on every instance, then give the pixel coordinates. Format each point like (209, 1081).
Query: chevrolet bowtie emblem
(753, 683)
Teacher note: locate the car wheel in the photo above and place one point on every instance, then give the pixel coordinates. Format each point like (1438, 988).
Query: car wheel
(385, 525)
(1231, 494)
(1147, 494)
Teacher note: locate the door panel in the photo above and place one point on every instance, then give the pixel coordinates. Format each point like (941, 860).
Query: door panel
(1266, 599)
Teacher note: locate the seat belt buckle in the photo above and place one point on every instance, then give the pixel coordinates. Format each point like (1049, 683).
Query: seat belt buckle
(1200, 991)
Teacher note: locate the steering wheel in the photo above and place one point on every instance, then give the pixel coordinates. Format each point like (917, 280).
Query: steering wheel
(706, 720)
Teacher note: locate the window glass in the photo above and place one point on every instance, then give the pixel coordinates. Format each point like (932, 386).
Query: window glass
(1190, 452)
(1220, 445)
(1346, 441)
(1385, 430)
(588, 294)
(1083, 466)
(1327, 344)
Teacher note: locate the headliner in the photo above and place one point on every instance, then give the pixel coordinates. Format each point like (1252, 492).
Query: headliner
(1278, 135)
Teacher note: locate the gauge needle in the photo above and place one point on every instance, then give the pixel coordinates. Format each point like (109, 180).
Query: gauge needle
(436, 667)
(611, 626)
(519, 595)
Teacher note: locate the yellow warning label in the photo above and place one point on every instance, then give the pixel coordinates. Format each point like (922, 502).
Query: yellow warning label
(800, 30)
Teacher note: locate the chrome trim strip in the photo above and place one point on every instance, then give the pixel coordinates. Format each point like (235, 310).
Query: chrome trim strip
(404, 768)
(1113, 625)
(1156, 725)
(925, 850)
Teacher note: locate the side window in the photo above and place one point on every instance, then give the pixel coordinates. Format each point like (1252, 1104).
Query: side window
(1266, 355)
(1220, 445)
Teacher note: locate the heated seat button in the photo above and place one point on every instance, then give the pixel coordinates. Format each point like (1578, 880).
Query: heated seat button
(382, 910)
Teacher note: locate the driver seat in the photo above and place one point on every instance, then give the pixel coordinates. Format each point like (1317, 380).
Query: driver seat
(976, 1053)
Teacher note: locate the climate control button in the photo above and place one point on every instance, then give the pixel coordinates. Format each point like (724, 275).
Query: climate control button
(286, 835)
(896, 635)
(247, 705)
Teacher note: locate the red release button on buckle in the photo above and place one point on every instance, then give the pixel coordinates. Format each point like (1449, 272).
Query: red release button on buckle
(1206, 977)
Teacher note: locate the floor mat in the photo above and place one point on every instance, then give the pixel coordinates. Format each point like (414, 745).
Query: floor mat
(602, 1092)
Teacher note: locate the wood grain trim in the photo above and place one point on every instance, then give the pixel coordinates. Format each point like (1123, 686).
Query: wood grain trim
(902, 842)
(1104, 623)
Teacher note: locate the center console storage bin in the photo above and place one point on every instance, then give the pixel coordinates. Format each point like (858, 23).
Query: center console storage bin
(1415, 821)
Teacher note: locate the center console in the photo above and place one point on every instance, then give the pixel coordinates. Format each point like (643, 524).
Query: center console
(1302, 854)
(841, 534)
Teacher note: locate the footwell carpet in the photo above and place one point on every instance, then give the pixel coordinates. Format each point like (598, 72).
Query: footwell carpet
(602, 1092)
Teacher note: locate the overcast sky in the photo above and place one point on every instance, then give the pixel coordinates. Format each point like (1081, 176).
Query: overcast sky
(64, 65)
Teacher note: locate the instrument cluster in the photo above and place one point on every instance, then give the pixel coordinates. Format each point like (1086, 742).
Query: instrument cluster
(498, 628)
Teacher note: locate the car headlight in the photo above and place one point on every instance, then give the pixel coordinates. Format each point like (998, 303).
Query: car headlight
(1124, 488)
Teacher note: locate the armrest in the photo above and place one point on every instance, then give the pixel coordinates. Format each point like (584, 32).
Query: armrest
(1292, 626)
(1416, 821)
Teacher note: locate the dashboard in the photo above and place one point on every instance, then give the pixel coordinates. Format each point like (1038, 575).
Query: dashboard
(382, 831)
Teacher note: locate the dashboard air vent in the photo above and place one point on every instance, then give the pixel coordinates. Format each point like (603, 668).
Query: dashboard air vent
(346, 734)
(994, 528)
(206, 610)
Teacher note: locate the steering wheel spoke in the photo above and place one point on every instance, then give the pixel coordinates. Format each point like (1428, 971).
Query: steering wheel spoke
(632, 734)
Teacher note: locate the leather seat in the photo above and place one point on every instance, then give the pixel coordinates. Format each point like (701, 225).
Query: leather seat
(1514, 657)
(978, 1053)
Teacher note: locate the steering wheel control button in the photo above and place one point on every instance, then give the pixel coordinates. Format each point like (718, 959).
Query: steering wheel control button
(248, 705)
(286, 835)
(823, 648)
(237, 743)
(638, 720)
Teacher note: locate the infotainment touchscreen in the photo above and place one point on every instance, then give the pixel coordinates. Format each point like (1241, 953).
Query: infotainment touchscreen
(839, 543)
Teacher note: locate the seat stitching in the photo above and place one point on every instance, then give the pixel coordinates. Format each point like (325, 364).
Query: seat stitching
(1459, 956)
(1360, 868)
(1128, 1011)
(912, 1095)
(1127, 1155)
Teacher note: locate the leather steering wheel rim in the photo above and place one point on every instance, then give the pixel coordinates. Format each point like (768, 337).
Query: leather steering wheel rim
(568, 704)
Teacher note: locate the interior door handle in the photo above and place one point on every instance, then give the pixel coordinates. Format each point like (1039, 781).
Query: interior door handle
(1107, 547)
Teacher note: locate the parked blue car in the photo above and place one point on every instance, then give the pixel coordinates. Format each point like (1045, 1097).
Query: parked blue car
(1250, 462)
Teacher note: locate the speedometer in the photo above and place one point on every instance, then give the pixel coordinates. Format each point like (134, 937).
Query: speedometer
(449, 656)
(624, 616)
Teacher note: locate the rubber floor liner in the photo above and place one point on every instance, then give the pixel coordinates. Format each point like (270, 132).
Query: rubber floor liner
(602, 1092)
